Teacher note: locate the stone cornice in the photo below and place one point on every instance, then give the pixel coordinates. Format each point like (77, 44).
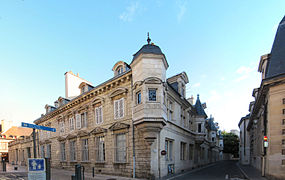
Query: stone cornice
(102, 88)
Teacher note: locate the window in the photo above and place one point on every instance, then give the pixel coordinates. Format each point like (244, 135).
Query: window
(83, 89)
(213, 139)
(191, 150)
(139, 98)
(84, 151)
(61, 127)
(72, 151)
(283, 100)
(152, 94)
(29, 152)
(78, 121)
(170, 115)
(62, 152)
(283, 131)
(84, 119)
(283, 151)
(119, 108)
(283, 161)
(182, 151)
(98, 115)
(283, 141)
(48, 155)
(121, 153)
(100, 149)
(120, 70)
(283, 121)
(71, 124)
(42, 151)
(199, 127)
(283, 111)
(169, 150)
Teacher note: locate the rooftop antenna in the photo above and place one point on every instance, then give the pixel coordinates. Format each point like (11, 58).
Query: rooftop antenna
(148, 39)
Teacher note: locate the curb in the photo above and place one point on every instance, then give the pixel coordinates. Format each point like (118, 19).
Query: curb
(242, 171)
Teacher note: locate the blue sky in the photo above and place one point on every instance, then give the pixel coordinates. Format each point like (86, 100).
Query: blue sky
(217, 43)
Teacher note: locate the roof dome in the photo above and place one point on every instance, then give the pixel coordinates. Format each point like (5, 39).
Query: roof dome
(148, 49)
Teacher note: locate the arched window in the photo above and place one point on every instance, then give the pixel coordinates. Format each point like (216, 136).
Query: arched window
(119, 70)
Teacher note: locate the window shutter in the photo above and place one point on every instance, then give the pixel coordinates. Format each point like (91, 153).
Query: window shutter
(116, 109)
(100, 114)
(78, 121)
(121, 105)
(85, 119)
(96, 115)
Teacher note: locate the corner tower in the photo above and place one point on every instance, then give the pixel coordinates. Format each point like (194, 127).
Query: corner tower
(149, 67)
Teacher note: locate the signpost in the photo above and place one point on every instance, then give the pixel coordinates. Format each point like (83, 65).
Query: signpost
(37, 169)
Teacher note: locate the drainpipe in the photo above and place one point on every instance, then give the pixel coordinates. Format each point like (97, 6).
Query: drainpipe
(158, 154)
(133, 132)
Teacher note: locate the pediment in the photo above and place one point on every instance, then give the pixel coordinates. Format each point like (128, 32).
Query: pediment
(118, 91)
(98, 130)
(82, 133)
(98, 99)
(153, 80)
(71, 136)
(60, 138)
(117, 126)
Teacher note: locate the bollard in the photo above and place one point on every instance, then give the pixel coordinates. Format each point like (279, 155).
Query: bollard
(4, 166)
(78, 172)
(93, 171)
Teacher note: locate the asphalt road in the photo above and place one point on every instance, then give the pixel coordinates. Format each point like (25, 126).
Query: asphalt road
(218, 171)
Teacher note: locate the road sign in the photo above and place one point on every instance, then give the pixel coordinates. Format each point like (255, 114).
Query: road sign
(34, 126)
(37, 169)
(36, 164)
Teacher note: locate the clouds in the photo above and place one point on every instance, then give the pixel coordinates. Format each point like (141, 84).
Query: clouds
(244, 72)
(182, 7)
(196, 85)
(130, 12)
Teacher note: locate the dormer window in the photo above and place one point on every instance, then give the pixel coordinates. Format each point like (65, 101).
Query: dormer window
(83, 89)
(120, 70)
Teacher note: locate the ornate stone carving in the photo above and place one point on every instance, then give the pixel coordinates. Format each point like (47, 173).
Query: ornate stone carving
(98, 130)
(117, 126)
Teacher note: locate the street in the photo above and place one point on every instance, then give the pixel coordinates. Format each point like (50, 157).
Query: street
(218, 171)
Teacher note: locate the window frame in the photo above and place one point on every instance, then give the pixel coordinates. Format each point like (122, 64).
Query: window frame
(149, 95)
(72, 149)
(71, 124)
(84, 150)
(169, 150)
(120, 108)
(100, 150)
(62, 151)
(183, 151)
(124, 151)
(98, 118)
(138, 97)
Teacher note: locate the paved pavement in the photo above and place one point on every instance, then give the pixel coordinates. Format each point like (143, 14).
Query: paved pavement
(217, 171)
(250, 172)
(231, 170)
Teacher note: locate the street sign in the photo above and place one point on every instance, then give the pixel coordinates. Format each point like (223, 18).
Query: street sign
(37, 169)
(36, 164)
(34, 126)
(265, 144)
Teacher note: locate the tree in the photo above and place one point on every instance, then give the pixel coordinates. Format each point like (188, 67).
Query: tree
(231, 143)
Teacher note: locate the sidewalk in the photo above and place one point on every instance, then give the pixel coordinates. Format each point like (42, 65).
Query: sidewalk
(58, 174)
(250, 172)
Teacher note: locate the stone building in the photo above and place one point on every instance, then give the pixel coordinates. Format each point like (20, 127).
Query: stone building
(244, 145)
(267, 112)
(136, 124)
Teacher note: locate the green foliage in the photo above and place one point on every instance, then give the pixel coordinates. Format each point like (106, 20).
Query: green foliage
(231, 143)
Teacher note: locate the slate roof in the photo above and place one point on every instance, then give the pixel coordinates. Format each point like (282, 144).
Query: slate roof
(148, 49)
(199, 108)
(211, 124)
(276, 64)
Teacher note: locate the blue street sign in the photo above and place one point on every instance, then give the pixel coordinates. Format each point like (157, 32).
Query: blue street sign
(34, 126)
(36, 164)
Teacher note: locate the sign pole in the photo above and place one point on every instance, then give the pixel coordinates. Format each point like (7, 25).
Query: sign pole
(34, 139)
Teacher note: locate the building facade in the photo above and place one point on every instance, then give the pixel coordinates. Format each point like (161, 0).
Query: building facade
(244, 137)
(137, 124)
(267, 112)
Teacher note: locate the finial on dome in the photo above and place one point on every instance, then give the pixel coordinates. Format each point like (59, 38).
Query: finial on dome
(148, 39)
